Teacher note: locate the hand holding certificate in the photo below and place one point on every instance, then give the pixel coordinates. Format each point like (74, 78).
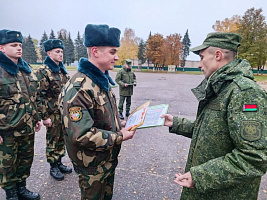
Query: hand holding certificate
(145, 116)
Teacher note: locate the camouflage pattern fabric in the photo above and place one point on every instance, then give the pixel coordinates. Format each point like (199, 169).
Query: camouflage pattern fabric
(123, 76)
(51, 84)
(18, 118)
(128, 103)
(228, 151)
(92, 132)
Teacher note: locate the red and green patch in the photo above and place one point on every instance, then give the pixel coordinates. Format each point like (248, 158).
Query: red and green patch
(250, 107)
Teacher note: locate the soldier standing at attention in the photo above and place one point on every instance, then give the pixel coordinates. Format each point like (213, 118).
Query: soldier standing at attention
(126, 79)
(228, 152)
(19, 118)
(52, 76)
(91, 119)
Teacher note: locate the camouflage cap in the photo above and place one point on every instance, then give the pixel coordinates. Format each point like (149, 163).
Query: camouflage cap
(128, 62)
(7, 36)
(53, 44)
(230, 41)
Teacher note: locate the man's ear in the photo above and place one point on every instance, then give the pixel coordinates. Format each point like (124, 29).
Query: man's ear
(218, 55)
(48, 53)
(95, 52)
(2, 48)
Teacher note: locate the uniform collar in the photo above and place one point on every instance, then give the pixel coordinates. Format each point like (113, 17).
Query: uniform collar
(53, 66)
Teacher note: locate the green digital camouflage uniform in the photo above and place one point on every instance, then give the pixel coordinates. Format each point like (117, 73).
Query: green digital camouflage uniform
(228, 152)
(18, 118)
(123, 76)
(92, 125)
(52, 78)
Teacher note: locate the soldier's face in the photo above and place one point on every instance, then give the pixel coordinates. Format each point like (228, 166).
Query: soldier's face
(107, 58)
(56, 55)
(207, 63)
(12, 50)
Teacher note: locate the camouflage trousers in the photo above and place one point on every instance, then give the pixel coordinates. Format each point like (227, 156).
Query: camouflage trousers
(128, 103)
(16, 156)
(55, 144)
(96, 187)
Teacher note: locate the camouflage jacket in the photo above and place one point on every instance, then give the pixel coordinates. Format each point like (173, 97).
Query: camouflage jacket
(18, 98)
(51, 78)
(228, 151)
(92, 125)
(125, 76)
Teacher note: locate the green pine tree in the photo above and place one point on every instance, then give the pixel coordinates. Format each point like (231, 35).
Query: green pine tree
(41, 47)
(80, 49)
(69, 51)
(29, 54)
(185, 49)
(52, 35)
(142, 52)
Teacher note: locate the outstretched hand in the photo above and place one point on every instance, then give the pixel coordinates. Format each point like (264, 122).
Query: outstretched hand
(184, 180)
(127, 133)
(168, 120)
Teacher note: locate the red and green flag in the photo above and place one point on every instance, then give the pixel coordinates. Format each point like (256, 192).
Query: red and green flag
(250, 107)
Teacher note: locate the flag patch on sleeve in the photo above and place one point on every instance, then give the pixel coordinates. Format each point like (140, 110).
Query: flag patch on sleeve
(250, 107)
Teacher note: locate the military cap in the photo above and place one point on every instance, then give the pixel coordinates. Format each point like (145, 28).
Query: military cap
(128, 62)
(7, 36)
(230, 41)
(53, 44)
(101, 35)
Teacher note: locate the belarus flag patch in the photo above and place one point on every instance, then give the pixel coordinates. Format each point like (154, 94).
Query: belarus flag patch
(250, 107)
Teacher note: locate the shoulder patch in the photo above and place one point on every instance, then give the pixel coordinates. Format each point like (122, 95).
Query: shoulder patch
(251, 130)
(75, 113)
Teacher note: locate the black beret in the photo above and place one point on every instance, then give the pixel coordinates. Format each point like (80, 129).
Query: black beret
(7, 36)
(53, 44)
(101, 35)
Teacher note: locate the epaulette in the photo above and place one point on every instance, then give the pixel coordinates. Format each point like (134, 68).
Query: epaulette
(244, 83)
(78, 81)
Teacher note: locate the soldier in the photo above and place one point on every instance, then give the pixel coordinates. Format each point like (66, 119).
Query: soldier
(91, 120)
(52, 76)
(228, 152)
(19, 117)
(126, 80)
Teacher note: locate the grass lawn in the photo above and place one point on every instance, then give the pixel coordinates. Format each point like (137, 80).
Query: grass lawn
(260, 78)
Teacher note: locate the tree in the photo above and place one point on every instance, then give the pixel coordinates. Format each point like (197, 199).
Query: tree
(228, 25)
(155, 48)
(253, 29)
(52, 35)
(29, 53)
(129, 46)
(41, 47)
(185, 49)
(80, 49)
(69, 51)
(173, 49)
(62, 35)
(142, 51)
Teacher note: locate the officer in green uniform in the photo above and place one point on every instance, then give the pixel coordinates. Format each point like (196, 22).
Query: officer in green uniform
(228, 152)
(52, 76)
(19, 117)
(126, 79)
(93, 130)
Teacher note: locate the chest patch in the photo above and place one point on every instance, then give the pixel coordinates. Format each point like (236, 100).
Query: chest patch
(75, 113)
(251, 130)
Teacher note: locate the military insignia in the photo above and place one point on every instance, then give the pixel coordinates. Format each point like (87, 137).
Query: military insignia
(250, 107)
(75, 113)
(60, 43)
(17, 35)
(251, 130)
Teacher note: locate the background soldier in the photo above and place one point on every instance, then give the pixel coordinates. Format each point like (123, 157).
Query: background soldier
(52, 77)
(126, 80)
(89, 111)
(228, 152)
(19, 117)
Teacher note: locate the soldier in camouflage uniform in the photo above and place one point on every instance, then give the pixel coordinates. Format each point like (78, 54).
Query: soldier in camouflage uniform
(52, 76)
(19, 117)
(91, 120)
(126, 80)
(228, 152)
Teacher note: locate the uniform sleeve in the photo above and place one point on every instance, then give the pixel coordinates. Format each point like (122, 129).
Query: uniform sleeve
(44, 85)
(78, 116)
(182, 126)
(248, 132)
(118, 79)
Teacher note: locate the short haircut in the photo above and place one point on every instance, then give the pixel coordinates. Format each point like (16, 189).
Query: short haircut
(228, 54)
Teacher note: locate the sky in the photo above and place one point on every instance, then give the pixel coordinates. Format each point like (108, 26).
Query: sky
(33, 17)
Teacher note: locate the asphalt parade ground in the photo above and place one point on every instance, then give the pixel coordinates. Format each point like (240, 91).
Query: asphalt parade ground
(147, 163)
